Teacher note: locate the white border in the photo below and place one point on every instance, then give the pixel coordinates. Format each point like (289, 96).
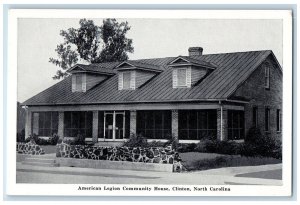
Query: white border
(71, 190)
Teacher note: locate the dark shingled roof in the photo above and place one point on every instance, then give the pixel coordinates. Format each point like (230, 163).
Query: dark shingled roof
(232, 70)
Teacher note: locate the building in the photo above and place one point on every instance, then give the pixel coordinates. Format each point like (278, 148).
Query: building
(186, 97)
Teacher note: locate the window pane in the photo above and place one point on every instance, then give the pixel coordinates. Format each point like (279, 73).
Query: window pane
(267, 119)
(235, 124)
(181, 75)
(212, 119)
(192, 123)
(78, 82)
(54, 120)
(47, 120)
(126, 80)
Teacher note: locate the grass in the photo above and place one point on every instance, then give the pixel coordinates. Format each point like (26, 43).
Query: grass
(49, 149)
(203, 161)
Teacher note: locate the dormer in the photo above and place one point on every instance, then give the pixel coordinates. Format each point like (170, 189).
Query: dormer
(134, 74)
(85, 77)
(188, 71)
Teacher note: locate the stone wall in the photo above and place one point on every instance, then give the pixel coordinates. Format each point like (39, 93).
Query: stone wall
(29, 148)
(137, 154)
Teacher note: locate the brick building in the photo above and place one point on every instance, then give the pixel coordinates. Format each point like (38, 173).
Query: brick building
(187, 97)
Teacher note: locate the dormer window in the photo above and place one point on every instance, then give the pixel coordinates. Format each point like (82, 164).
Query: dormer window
(127, 80)
(85, 77)
(78, 83)
(134, 74)
(188, 71)
(182, 77)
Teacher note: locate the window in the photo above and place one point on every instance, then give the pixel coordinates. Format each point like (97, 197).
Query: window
(267, 76)
(78, 83)
(197, 124)
(279, 120)
(181, 77)
(126, 80)
(235, 124)
(254, 117)
(267, 119)
(45, 123)
(78, 123)
(154, 124)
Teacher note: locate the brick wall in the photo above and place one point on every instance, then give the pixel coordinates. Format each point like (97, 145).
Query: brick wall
(253, 88)
(175, 124)
(132, 121)
(222, 129)
(60, 132)
(95, 126)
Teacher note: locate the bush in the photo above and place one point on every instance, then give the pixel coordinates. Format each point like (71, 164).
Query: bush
(173, 142)
(136, 141)
(186, 147)
(220, 147)
(257, 144)
(40, 141)
(21, 136)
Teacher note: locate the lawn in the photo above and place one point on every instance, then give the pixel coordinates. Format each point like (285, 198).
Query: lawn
(203, 161)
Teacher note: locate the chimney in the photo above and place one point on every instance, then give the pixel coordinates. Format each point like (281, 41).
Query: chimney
(195, 51)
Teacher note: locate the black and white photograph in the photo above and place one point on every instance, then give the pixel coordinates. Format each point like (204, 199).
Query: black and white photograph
(158, 103)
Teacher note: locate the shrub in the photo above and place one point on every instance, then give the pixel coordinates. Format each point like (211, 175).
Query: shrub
(257, 144)
(21, 136)
(173, 142)
(186, 147)
(40, 141)
(220, 147)
(136, 141)
(155, 144)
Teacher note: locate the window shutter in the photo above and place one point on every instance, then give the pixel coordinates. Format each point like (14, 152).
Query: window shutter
(132, 80)
(175, 78)
(188, 77)
(83, 82)
(120, 85)
(73, 83)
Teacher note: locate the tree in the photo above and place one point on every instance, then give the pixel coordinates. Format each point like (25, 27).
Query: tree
(93, 44)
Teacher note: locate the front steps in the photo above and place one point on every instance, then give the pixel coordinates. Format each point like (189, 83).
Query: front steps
(40, 161)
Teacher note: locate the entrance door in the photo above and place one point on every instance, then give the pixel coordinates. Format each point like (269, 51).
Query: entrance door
(114, 125)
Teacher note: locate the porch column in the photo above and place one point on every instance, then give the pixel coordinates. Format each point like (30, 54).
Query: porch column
(133, 122)
(175, 124)
(222, 124)
(28, 127)
(95, 126)
(60, 131)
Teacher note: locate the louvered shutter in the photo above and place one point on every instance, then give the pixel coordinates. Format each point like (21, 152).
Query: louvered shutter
(132, 80)
(83, 82)
(175, 78)
(188, 77)
(120, 85)
(73, 83)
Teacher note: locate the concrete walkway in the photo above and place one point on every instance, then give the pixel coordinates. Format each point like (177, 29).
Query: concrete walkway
(72, 175)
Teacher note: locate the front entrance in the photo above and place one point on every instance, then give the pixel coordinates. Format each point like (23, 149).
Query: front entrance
(114, 125)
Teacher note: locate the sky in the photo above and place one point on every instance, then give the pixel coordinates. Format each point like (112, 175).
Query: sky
(152, 38)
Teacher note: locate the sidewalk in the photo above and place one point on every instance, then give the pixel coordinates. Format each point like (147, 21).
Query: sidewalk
(73, 175)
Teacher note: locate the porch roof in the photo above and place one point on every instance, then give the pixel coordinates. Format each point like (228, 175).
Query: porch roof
(232, 69)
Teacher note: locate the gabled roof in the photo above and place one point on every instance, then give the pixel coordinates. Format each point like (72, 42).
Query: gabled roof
(232, 69)
(134, 64)
(91, 69)
(181, 60)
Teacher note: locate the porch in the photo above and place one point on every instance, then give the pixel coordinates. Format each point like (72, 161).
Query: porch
(108, 124)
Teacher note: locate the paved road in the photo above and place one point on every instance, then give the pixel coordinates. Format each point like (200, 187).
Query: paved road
(72, 175)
